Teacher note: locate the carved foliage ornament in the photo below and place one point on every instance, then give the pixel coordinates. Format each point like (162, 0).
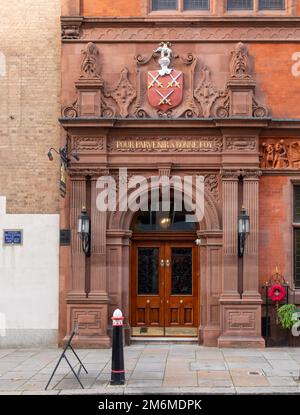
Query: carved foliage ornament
(89, 67)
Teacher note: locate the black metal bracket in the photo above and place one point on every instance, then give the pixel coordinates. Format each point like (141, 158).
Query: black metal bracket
(63, 356)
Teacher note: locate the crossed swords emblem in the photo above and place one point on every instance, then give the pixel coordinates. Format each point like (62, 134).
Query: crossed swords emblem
(155, 81)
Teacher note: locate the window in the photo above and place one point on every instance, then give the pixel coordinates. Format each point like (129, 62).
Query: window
(239, 4)
(164, 5)
(296, 221)
(271, 5)
(196, 5)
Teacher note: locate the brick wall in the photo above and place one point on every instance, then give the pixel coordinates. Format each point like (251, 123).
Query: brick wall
(29, 104)
(106, 8)
(275, 241)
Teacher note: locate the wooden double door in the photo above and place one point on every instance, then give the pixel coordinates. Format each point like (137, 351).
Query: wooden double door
(164, 289)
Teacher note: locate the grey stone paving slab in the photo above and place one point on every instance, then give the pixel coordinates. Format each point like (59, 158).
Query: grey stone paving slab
(281, 355)
(147, 375)
(282, 381)
(207, 365)
(145, 383)
(16, 375)
(284, 364)
(10, 385)
(282, 372)
(249, 366)
(39, 392)
(270, 390)
(32, 386)
(202, 390)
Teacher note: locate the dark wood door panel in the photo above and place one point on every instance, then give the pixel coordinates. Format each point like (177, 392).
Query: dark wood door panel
(164, 286)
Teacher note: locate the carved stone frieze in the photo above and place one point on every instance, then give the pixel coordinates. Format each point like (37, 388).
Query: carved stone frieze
(240, 143)
(165, 144)
(192, 34)
(280, 154)
(124, 93)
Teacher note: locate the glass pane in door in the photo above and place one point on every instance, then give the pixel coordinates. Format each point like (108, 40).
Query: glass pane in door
(182, 271)
(148, 271)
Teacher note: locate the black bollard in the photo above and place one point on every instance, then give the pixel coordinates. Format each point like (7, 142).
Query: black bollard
(117, 362)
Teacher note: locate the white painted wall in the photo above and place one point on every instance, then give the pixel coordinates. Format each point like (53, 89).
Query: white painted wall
(29, 281)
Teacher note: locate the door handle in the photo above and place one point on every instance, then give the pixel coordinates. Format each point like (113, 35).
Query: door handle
(181, 301)
(162, 262)
(167, 301)
(167, 263)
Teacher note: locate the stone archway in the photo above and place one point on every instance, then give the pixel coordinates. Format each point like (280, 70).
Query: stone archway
(210, 254)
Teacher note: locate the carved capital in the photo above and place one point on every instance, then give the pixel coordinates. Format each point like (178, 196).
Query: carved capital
(81, 173)
(251, 174)
(231, 175)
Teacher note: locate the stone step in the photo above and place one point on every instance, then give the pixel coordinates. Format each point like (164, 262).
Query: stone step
(163, 340)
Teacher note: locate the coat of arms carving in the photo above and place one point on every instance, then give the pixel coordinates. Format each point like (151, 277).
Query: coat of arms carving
(165, 86)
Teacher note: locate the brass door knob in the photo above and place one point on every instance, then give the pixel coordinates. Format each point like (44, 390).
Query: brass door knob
(181, 301)
(148, 301)
(167, 262)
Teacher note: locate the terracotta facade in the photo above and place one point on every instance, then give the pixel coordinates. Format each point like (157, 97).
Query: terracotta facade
(240, 96)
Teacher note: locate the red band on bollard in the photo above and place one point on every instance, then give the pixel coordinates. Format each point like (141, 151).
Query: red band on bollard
(118, 371)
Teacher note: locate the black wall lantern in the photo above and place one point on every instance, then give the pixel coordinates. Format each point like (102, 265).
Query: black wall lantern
(243, 229)
(84, 231)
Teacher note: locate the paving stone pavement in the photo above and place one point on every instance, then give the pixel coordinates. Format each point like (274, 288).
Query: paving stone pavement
(155, 369)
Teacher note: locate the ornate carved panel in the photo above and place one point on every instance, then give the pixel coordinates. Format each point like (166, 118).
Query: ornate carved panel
(241, 320)
(166, 144)
(91, 319)
(206, 93)
(123, 94)
(240, 143)
(87, 144)
(280, 154)
(171, 92)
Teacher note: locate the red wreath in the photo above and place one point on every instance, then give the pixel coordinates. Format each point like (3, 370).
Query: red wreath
(277, 292)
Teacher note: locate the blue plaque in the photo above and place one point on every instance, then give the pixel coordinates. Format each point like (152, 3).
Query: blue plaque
(13, 237)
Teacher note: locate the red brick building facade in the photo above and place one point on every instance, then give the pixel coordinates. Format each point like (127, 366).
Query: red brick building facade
(237, 125)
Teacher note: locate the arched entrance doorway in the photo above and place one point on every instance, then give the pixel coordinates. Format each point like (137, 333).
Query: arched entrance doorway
(164, 275)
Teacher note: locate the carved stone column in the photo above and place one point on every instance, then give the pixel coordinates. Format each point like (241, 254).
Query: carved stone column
(88, 308)
(230, 239)
(240, 317)
(118, 254)
(251, 203)
(78, 199)
(210, 264)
